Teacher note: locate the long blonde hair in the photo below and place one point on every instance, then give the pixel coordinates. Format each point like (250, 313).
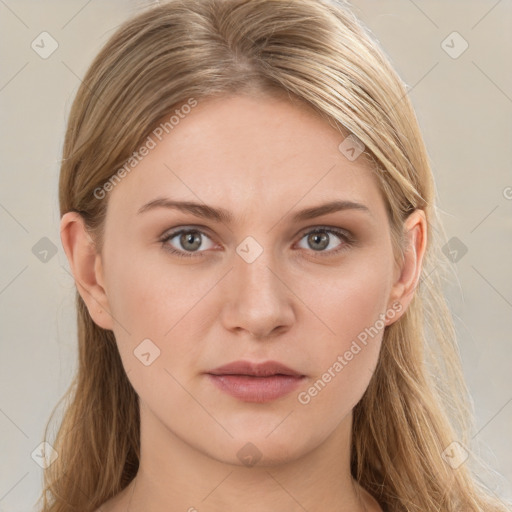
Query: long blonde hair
(417, 407)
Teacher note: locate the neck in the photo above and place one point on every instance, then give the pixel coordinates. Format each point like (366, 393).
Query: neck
(175, 476)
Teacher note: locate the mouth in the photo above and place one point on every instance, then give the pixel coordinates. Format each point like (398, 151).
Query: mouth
(255, 382)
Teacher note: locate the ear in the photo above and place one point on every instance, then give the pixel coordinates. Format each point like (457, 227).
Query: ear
(408, 275)
(86, 266)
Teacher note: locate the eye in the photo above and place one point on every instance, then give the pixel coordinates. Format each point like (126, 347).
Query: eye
(321, 238)
(188, 240)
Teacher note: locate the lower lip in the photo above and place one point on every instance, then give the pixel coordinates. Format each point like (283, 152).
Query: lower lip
(256, 389)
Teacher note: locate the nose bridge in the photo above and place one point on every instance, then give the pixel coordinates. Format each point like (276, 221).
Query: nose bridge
(256, 276)
(253, 271)
(260, 299)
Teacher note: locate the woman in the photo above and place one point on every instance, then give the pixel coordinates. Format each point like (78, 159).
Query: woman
(249, 215)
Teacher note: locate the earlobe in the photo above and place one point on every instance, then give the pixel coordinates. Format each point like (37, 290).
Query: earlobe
(86, 266)
(415, 228)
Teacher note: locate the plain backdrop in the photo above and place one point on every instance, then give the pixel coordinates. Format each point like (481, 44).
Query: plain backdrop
(461, 87)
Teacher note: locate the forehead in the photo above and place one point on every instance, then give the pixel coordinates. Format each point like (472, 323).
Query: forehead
(247, 151)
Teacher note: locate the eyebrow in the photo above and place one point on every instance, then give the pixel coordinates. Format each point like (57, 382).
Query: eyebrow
(225, 216)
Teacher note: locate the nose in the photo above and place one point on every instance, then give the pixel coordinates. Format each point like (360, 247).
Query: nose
(259, 301)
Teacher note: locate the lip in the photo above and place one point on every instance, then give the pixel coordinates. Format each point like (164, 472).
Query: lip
(255, 382)
(264, 369)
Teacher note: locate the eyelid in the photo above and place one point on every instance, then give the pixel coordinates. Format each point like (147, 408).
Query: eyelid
(204, 230)
(333, 229)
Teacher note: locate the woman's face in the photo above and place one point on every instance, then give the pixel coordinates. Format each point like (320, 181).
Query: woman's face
(271, 283)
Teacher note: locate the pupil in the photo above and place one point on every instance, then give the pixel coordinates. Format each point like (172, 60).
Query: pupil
(320, 238)
(188, 238)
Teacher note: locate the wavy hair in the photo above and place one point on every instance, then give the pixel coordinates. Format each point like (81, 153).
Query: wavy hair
(417, 406)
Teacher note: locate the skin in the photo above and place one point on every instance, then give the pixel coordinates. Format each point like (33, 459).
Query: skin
(263, 158)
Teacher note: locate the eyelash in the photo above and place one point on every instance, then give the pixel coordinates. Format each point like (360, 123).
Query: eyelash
(347, 238)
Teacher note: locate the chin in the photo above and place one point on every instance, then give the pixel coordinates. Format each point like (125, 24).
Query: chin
(256, 448)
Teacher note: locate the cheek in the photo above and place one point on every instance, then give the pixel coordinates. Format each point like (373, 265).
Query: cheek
(158, 301)
(346, 351)
(145, 293)
(350, 300)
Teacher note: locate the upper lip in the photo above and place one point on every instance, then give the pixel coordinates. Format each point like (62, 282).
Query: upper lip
(264, 369)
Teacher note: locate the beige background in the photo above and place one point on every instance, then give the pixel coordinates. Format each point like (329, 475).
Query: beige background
(464, 106)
